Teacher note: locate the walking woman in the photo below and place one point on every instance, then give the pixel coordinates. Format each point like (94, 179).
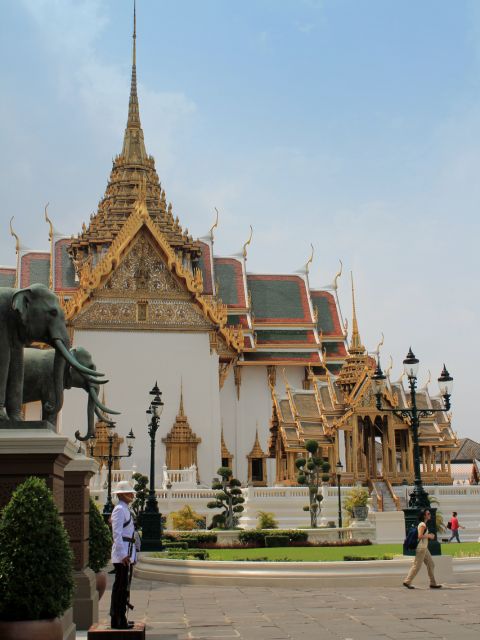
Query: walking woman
(422, 554)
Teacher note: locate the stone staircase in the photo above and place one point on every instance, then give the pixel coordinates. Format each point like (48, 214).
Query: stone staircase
(381, 488)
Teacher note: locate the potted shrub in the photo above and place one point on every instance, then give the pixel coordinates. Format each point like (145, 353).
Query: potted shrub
(356, 502)
(186, 519)
(266, 520)
(36, 565)
(99, 547)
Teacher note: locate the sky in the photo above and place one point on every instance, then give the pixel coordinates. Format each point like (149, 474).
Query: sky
(353, 125)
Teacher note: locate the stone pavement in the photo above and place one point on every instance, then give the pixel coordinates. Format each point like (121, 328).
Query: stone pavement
(181, 612)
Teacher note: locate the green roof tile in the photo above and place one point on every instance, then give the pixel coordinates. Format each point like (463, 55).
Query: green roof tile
(278, 298)
(7, 278)
(290, 335)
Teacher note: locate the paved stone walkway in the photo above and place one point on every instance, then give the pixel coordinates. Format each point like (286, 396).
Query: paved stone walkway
(177, 612)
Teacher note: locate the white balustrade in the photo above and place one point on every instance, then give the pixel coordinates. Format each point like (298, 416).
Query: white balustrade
(186, 478)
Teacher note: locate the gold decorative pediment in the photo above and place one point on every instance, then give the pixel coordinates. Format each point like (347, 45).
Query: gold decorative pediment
(143, 272)
(138, 274)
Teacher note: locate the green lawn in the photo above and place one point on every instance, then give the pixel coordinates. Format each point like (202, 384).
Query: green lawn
(330, 554)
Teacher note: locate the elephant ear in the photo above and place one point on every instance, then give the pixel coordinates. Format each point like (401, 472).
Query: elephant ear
(20, 301)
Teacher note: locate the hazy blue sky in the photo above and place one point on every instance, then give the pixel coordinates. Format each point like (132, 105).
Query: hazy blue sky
(352, 124)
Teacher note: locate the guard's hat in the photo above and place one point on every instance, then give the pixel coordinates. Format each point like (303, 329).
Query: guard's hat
(124, 486)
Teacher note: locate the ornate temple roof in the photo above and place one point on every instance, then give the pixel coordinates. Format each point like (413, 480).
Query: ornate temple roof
(358, 359)
(130, 169)
(283, 321)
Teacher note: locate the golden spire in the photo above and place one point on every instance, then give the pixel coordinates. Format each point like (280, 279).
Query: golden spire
(356, 345)
(133, 143)
(181, 412)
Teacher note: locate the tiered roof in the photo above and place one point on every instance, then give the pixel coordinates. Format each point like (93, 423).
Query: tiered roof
(132, 171)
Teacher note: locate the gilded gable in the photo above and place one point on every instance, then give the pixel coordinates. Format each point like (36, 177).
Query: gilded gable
(143, 272)
(141, 293)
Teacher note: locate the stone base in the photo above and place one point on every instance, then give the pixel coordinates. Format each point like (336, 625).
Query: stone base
(27, 424)
(69, 628)
(101, 631)
(85, 599)
(33, 449)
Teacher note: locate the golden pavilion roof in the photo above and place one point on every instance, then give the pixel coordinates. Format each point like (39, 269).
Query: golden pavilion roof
(357, 360)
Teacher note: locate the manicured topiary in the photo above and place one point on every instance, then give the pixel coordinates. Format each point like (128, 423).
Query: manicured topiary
(141, 495)
(310, 470)
(229, 498)
(36, 562)
(100, 540)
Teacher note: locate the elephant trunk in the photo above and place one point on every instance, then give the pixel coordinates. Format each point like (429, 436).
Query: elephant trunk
(59, 364)
(60, 347)
(90, 422)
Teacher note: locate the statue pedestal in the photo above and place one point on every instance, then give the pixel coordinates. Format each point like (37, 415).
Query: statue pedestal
(35, 449)
(76, 517)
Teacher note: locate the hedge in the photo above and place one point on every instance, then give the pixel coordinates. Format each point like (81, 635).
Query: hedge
(257, 536)
(277, 541)
(175, 545)
(187, 554)
(186, 536)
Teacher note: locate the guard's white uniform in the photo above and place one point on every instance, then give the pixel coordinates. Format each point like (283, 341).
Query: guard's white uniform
(122, 527)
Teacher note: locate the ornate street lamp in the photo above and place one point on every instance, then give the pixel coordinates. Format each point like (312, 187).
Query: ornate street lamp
(339, 471)
(110, 458)
(419, 497)
(151, 522)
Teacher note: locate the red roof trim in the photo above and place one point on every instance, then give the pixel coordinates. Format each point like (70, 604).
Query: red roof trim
(239, 282)
(207, 261)
(338, 330)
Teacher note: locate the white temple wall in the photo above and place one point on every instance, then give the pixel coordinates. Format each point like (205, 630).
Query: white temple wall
(241, 416)
(133, 361)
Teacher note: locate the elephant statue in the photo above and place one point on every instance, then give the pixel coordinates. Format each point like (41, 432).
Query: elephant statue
(38, 385)
(31, 315)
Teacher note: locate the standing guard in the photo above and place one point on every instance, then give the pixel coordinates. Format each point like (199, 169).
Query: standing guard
(124, 555)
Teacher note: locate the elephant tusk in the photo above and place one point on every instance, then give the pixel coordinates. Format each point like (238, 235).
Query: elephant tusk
(101, 417)
(90, 379)
(101, 406)
(71, 360)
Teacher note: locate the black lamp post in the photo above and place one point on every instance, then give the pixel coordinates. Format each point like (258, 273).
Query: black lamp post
(151, 522)
(110, 458)
(339, 470)
(419, 497)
